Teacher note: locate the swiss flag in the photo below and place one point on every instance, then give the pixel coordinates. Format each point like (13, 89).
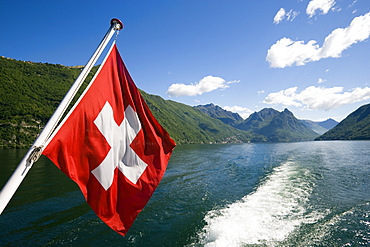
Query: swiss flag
(111, 145)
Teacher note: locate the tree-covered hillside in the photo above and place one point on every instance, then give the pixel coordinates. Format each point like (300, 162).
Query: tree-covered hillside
(355, 126)
(285, 127)
(30, 93)
(266, 125)
(189, 125)
(215, 111)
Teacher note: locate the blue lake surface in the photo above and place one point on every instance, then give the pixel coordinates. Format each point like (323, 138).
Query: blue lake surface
(282, 194)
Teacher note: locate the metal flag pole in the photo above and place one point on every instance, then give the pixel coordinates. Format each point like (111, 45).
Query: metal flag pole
(35, 151)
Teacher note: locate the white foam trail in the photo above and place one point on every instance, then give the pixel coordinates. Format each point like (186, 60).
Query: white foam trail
(323, 232)
(266, 216)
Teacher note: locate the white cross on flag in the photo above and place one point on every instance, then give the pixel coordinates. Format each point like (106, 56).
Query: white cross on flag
(111, 145)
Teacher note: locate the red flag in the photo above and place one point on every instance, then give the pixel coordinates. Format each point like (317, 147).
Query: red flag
(111, 145)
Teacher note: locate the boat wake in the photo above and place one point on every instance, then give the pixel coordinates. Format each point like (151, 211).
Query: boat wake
(267, 216)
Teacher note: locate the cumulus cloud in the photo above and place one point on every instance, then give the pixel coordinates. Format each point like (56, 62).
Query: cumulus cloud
(282, 14)
(205, 85)
(242, 111)
(285, 97)
(321, 5)
(286, 52)
(318, 98)
(342, 38)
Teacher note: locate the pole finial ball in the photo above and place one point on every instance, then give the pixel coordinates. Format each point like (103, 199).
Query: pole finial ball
(118, 24)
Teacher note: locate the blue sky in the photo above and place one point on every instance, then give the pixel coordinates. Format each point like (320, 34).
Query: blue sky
(310, 56)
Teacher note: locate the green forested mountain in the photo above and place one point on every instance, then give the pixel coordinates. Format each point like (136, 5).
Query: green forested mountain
(215, 111)
(258, 120)
(277, 126)
(355, 126)
(189, 125)
(285, 127)
(266, 125)
(30, 92)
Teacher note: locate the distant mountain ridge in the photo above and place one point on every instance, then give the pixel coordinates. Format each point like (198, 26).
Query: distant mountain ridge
(277, 126)
(215, 111)
(356, 126)
(314, 126)
(328, 124)
(260, 122)
(320, 127)
(267, 125)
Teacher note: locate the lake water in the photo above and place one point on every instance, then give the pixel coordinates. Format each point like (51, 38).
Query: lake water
(284, 194)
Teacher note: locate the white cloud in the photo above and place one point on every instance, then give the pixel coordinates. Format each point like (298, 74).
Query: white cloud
(282, 14)
(279, 16)
(286, 52)
(322, 5)
(284, 97)
(321, 80)
(291, 15)
(207, 84)
(352, 4)
(318, 98)
(342, 38)
(336, 9)
(242, 111)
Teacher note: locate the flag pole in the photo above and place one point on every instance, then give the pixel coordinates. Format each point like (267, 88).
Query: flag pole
(35, 151)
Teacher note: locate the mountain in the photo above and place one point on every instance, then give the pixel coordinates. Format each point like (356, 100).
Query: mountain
(356, 126)
(215, 111)
(187, 124)
(314, 126)
(275, 126)
(328, 124)
(258, 120)
(30, 92)
(266, 125)
(285, 127)
(320, 127)
(29, 95)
